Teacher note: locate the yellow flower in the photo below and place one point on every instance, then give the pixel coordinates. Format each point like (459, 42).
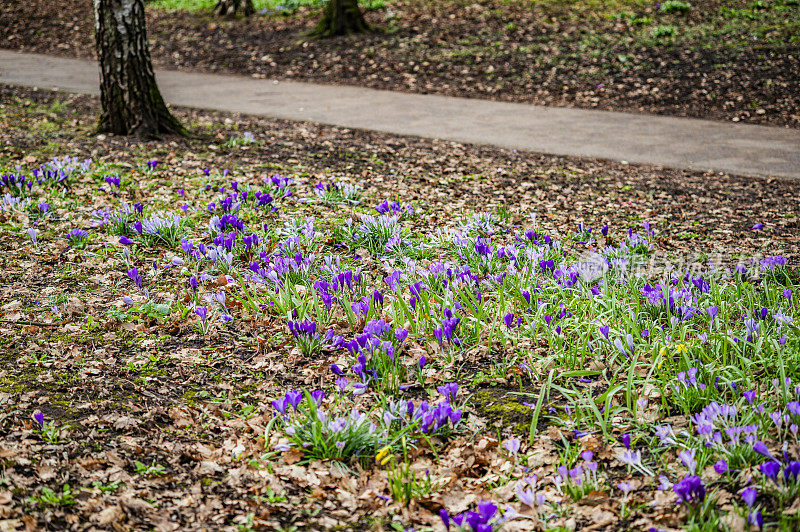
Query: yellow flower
(383, 455)
(662, 354)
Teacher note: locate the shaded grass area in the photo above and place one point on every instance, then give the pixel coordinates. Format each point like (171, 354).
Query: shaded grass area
(738, 24)
(733, 60)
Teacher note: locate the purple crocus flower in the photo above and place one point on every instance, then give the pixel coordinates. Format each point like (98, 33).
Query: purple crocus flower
(620, 347)
(133, 273)
(512, 445)
(449, 390)
(32, 232)
(281, 405)
(690, 490)
(318, 396)
(439, 334)
(422, 362)
(401, 335)
(770, 469)
(687, 458)
(756, 518)
(38, 417)
(721, 467)
(749, 496)
(791, 470)
(445, 518)
(202, 312)
(761, 449)
(294, 397)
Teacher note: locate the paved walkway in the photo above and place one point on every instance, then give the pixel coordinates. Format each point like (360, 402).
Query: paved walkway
(667, 141)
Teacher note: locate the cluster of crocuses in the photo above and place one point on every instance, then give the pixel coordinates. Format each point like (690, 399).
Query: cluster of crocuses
(279, 270)
(76, 237)
(15, 184)
(120, 221)
(312, 426)
(381, 235)
(375, 350)
(429, 418)
(309, 341)
(56, 173)
(447, 330)
(404, 210)
(578, 480)
(486, 518)
(338, 193)
(60, 170)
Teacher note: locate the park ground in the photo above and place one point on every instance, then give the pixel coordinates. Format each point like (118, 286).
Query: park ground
(667, 398)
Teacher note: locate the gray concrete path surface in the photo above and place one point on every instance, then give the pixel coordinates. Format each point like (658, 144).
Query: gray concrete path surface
(660, 140)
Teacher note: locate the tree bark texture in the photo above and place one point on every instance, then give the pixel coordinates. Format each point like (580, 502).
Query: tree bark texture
(341, 17)
(132, 103)
(229, 8)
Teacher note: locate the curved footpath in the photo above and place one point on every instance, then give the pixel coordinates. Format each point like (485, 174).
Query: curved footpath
(660, 140)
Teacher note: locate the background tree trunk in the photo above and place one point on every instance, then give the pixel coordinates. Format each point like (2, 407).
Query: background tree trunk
(132, 103)
(341, 17)
(229, 8)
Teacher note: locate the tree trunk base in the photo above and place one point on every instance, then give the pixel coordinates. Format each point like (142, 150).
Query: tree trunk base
(230, 8)
(341, 17)
(148, 128)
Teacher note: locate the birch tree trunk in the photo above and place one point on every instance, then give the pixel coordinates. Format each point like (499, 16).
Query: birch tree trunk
(132, 103)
